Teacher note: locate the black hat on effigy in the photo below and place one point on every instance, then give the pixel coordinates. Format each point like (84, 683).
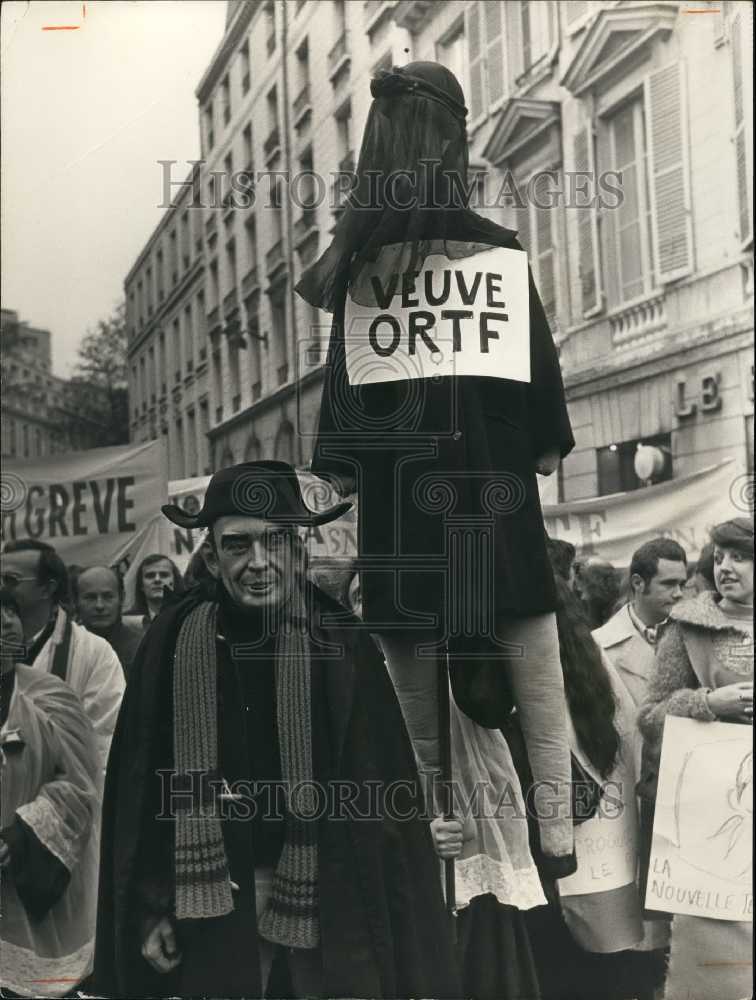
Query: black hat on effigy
(266, 489)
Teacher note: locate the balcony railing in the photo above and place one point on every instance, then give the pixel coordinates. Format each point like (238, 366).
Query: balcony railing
(301, 105)
(338, 55)
(275, 256)
(272, 143)
(638, 321)
(250, 282)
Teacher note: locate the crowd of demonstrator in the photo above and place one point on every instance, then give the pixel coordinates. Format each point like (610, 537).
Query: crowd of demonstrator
(69, 647)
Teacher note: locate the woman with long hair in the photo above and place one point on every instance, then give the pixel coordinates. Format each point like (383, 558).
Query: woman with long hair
(704, 671)
(584, 942)
(442, 425)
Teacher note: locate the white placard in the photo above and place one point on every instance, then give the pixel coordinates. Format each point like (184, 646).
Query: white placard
(454, 317)
(606, 846)
(702, 849)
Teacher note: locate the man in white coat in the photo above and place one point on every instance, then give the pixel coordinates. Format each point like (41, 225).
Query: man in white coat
(36, 576)
(658, 574)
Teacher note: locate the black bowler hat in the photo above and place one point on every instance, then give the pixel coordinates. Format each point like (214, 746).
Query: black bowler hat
(268, 490)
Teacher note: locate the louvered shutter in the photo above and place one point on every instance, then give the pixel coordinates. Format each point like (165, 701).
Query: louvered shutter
(475, 61)
(589, 271)
(495, 68)
(608, 222)
(543, 250)
(514, 40)
(666, 122)
(740, 31)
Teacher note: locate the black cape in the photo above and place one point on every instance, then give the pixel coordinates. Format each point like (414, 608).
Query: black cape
(384, 929)
(466, 431)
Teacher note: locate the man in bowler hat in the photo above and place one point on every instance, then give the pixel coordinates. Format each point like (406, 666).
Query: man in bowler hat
(262, 807)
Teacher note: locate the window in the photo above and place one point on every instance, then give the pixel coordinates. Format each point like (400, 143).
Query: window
(249, 160)
(244, 61)
(234, 377)
(217, 386)
(204, 426)
(162, 363)
(173, 245)
(627, 246)
(37, 441)
(25, 436)
(279, 347)
(451, 52)
(151, 374)
(616, 464)
(303, 66)
(254, 346)
(535, 23)
(226, 99)
(188, 337)
(250, 230)
(486, 56)
(143, 382)
(270, 27)
(178, 471)
(192, 468)
(160, 275)
(177, 347)
(208, 122)
(741, 35)
(228, 169)
(231, 266)
(214, 285)
(148, 284)
(186, 241)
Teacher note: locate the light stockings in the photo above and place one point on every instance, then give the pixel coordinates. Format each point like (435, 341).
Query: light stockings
(537, 687)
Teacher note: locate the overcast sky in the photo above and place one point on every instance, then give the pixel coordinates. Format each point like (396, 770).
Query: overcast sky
(86, 115)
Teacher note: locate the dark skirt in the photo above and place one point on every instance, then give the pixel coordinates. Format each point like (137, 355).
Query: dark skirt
(494, 953)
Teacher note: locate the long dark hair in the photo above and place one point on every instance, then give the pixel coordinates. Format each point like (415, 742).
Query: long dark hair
(590, 697)
(140, 601)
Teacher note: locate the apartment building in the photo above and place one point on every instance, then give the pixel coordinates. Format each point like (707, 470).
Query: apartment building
(167, 345)
(650, 293)
(36, 418)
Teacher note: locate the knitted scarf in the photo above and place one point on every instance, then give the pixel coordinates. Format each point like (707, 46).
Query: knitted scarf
(203, 886)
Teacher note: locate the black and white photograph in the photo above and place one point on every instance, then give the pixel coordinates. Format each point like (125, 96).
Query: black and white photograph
(376, 499)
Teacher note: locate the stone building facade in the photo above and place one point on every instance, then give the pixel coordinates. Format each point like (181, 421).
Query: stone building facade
(650, 292)
(167, 342)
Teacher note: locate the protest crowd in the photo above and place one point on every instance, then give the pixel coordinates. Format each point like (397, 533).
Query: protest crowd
(252, 783)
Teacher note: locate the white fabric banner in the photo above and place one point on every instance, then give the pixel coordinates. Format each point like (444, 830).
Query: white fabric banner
(454, 317)
(702, 850)
(684, 509)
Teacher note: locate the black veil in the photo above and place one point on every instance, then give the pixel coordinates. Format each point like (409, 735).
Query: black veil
(410, 191)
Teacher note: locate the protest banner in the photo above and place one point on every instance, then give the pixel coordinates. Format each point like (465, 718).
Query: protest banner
(684, 509)
(469, 316)
(87, 504)
(702, 853)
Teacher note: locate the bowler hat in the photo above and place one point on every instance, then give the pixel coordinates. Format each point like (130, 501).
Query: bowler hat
(268, 490)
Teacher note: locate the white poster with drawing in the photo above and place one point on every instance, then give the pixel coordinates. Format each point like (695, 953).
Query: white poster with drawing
(468, 316)
(702, 849)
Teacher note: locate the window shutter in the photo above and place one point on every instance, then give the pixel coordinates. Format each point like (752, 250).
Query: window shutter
(514, 38)
(608, 221)
(495, 69)
(739, 32)
(475, 61)
(590, 275)
(666, 122)
(544, 250)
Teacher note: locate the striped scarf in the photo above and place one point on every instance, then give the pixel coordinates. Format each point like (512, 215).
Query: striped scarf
(203, 885)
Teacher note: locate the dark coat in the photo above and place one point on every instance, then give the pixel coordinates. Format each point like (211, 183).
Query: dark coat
(384, 930)
(467, 431)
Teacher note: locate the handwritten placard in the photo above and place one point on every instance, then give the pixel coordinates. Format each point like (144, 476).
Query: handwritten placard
(702, 849)
(454, 317)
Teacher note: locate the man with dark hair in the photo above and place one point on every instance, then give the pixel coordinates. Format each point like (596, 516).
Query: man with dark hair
(37, 577)
(658, 573)
(228, 841)
(99, 594)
